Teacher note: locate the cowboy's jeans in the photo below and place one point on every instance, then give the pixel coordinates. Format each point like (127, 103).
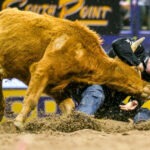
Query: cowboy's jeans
(92, 99)
(142, 115)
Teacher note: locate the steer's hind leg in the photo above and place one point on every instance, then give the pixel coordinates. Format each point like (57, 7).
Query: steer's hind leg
(67, 106)
(37, 84)
(2, 102)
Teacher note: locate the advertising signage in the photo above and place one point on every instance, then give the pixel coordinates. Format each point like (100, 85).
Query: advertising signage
(100, 15)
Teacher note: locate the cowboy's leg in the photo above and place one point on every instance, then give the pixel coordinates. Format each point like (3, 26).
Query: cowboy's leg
(143, 113)
(92, 99)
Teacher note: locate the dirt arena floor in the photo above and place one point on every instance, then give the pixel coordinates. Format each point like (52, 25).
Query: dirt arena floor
(75, 132)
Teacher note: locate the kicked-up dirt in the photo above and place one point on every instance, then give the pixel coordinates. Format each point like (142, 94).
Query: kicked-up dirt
(75, 132)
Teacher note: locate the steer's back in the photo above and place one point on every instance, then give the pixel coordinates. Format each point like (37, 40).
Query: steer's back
(22, 42)
(23, 33)
(24, 37)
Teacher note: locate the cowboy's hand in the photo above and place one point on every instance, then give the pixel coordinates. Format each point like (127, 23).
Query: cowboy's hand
(129, 106)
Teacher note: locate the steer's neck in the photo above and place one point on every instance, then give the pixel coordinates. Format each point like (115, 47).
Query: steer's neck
(118, 75)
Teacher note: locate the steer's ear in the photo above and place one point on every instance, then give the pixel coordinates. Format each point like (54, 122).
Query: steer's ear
(137, 43)
(137, 70)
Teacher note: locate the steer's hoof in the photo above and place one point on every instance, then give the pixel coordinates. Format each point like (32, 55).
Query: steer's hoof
(19, 125)
(1, 113)
(2, 108)
(1, 117)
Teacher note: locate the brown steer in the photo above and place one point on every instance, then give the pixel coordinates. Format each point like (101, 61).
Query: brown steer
(48, 53)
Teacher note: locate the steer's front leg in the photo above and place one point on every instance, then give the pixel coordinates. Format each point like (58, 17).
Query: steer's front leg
(2, 102)
(38, 82)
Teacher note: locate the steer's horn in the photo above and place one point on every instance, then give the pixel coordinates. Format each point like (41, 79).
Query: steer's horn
(137, 43)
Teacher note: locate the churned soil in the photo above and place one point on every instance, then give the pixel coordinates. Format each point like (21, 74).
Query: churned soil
(75, 132)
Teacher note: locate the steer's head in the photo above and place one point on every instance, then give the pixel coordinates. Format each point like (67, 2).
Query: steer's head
(133, 47)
